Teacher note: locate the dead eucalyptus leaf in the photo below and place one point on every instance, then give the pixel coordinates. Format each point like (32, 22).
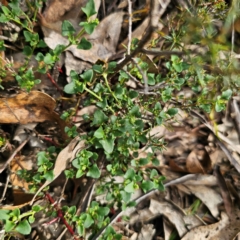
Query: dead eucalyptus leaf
(147, 232)
(27, 108)
(33, 107)
(63, 159)
(104, 39)
(170, 211)
(57, 9)
(198, 161)
(210, 197)
(225, 229)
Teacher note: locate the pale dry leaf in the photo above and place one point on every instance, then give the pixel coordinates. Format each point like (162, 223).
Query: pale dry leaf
(147, 232)
(203, 179)
(76, 64)
(225, 229)
(63, 159)
(104, 39)
(168, 229)
(142, 215)
(210, 197)
(174, 215)
(89, 110)
(191, 221)
(20, 134)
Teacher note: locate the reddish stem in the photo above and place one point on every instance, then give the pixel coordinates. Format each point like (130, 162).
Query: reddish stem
(60, 215)
(54, 83)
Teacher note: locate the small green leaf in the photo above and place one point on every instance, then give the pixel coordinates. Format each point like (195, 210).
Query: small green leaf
(27, 51)
(70, 88)
(9, 226)
(67, 28)
(147, 185)
(3, 18)
(79, 173)
(94, 171)
(49, 59)
(226, 94)
(76, 163)
(99, 133)
(28, 36)
(219, 105)
(111, 67)
(39, 57)
(143, 161)
(172, 111)
(125, 196)
(87, 75)
(89, 26)
(103, 211)
(178, 67)
(4, 214)
(151, 79)
(31, 219)
(155, 162)
(154, 173)
(36, 208)
(97, 68)
(108, 145)
(99, 117)
(89, 10)
(130, 188)
(23, 227)
(72, 210)
(16, 213)
(88, 221)
(49, 175)
(84, 44)
(133, 94)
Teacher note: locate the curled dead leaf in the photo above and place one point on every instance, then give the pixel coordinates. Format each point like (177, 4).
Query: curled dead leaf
(33, 107)
(198, 161)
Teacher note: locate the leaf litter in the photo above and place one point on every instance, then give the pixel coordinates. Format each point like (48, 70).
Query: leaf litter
(187, 162)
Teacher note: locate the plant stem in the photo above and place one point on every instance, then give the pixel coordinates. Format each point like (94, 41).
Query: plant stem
(94, 94)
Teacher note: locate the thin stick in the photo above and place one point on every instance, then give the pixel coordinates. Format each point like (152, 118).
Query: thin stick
(14, 153)
(129, 26)
(5, 189)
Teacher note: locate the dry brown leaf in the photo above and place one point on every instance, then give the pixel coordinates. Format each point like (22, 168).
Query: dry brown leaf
(147, 232)
(25, 163)
(211, 198)
(104, 39)
(29, 108)
(26, 108)
(63, 159)
(228, 203)
(192, 221)
(198, 161)
(56, 9)
(170, 211)
(225, 229)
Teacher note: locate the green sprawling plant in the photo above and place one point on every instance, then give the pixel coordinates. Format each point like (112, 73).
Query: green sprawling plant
(120, 126)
